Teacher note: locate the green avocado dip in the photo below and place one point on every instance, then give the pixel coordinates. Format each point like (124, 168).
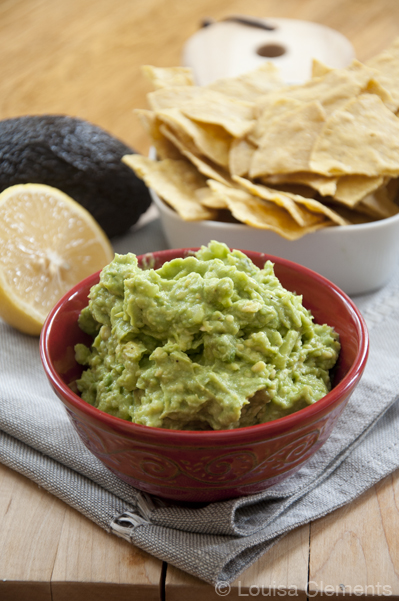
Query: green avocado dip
(209, 341)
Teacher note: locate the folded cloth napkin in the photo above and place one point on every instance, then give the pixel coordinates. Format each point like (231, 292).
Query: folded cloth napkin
(218, 541)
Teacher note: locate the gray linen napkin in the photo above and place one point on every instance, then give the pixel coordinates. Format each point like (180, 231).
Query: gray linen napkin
(218, 541)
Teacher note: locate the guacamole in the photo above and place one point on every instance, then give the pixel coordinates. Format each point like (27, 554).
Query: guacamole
(209, 341)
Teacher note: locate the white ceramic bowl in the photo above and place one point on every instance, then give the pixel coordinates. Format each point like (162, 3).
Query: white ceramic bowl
(357, 258)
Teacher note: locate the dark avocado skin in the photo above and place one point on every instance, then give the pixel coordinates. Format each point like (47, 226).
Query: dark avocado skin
(79, 158)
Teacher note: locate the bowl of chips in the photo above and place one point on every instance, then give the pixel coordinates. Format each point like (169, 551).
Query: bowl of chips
(357, 258)
(307, 172)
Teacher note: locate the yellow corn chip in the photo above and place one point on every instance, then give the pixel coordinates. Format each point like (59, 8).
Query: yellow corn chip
(288, 142)
(236, 116)
(337, 86)
(387, 66)
(173, 97)
(210, 197)
(374, 87)
(332, 89)
(294, 203)
(250, 86)
(164, 148)
(268, 109)
(392, 189)
(362, 138)
(326, 186)
(168, 77)
(203, 165)
(301, 215)
(179, 138)
(211, 140)
(352, 188)
(300, 189)
(263, 214)
(376, 209)
(240, 157)
(381, 203)
(352, 216)
(319, 69)
(318, 207)
(174, 181)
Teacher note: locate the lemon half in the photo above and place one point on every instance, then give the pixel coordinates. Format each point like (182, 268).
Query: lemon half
(49, 243)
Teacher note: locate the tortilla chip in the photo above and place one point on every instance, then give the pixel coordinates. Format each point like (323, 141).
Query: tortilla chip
(211, 140)
(290, 201)
(250, 86)
(268, 108)
(203, 165)
(287, 144)
(387, 66)
(332, 90)
(392, 189)
(175, 182)
(301, 215)
(211, 197)
(300, 189)
(340, 85)
(173, 97)
(164, 148)
(380, 204)
(318, 207)
(351, 216)
(273, 109)
(168, 77)
(240, 157)
(263, 214)
(178, 137)
(352, 188)
(374, 87)
(360, 138)
(326, 186)
(319, 69)
(236, 116)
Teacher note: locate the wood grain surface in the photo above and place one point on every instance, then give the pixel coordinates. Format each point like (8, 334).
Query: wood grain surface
(49, 552)
(83, 58)
(356, 548)
(282, 571)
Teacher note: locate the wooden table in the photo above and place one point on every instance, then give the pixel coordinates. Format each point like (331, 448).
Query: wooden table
(82, 58)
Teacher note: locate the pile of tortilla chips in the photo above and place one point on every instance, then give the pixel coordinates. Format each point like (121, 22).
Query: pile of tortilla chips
(287, 158)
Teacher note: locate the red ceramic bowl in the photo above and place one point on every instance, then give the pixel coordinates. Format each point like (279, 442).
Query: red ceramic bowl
(210, 465)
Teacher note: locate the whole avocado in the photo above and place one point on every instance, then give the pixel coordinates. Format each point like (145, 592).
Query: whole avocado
(79, 158)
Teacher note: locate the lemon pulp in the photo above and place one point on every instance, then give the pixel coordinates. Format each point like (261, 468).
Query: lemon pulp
(49, 243)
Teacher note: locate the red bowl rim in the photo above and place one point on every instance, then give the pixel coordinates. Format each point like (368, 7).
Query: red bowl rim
(266, 430)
